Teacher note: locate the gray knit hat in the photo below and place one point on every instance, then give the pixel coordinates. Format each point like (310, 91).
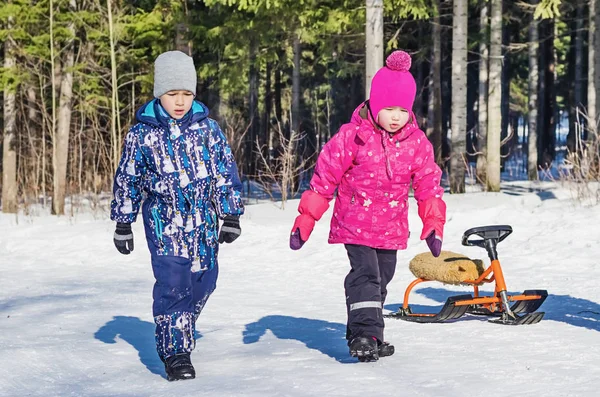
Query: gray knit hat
(174, 70)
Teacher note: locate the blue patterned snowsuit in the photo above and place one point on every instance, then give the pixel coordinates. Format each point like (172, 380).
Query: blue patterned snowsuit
(187, 174)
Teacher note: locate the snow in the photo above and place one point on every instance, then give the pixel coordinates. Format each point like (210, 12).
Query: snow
(75, 315)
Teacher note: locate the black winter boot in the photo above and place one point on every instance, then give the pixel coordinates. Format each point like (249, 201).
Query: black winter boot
(365, 348)
(385, 349)
(179, 367)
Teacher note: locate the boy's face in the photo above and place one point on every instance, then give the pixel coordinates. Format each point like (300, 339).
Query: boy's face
(392, 119)
(177, 103)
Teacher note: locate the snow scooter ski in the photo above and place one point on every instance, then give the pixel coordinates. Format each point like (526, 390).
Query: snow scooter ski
(523, 308)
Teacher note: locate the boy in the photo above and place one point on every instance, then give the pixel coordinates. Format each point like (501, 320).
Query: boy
(180, 160)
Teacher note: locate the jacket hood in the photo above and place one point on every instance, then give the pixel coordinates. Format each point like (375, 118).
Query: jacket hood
(366, 126)
(361, 118)
(153, 113)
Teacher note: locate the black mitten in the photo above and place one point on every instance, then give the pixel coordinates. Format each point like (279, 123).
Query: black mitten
(230, 229)
(123, 238)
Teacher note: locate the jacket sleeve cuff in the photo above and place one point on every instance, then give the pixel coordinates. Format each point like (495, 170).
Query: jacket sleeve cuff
(313, 204)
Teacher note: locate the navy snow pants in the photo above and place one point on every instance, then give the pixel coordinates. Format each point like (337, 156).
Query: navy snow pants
(366, 289)
(179, 295)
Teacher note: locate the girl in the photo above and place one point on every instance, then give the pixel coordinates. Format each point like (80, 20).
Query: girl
(371, 162)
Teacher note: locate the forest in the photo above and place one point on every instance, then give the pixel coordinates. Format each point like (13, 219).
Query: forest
(496, 80)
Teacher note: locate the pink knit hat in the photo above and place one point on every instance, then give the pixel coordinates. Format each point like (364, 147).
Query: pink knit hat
(393, 85)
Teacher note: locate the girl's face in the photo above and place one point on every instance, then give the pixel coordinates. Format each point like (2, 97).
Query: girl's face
(177, 103)
(392, 119)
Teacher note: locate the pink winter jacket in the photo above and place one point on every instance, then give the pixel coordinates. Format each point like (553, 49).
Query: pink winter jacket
(372, 173)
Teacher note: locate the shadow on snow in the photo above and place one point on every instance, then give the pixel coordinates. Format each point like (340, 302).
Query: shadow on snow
(326, 337)
(140, 335)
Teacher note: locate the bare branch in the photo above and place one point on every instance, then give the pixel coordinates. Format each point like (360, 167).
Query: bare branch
(277, 175)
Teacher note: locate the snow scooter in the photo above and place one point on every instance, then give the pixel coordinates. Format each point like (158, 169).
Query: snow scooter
(523, 308)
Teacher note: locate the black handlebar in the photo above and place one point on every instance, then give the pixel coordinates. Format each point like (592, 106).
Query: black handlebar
(490, 237)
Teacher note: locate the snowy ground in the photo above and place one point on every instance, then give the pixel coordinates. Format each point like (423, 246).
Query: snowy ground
(75, 316)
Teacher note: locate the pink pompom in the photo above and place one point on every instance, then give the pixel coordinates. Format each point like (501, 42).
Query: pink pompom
(399, 60)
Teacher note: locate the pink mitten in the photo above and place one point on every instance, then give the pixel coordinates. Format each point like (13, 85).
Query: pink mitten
(303, 227)
(312, 206)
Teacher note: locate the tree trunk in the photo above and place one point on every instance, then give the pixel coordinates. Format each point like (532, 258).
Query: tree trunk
(532, 148)
(553, 109)
(446, 72)
(483, 93)
(181, 38)
(32, 112)
(220, 110)
(505, 100)
(434, 113)
(277, 93)
(9, 152)
(459, 96)
(419, 76)
(577, 65)
(61, 144)
(253, 105)
(548, 111)
(374, 41)
(182, 30)
(596, 61)
(571, 101)
(265, 139)
(542, 92)
(494, 98)
(53, 83)
(296, 85)
(33, 127)
(579, 60)
(593, 58)
(115, 125)
(296, 125)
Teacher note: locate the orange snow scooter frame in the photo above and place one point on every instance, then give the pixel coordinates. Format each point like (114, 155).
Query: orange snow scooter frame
(523, 308)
